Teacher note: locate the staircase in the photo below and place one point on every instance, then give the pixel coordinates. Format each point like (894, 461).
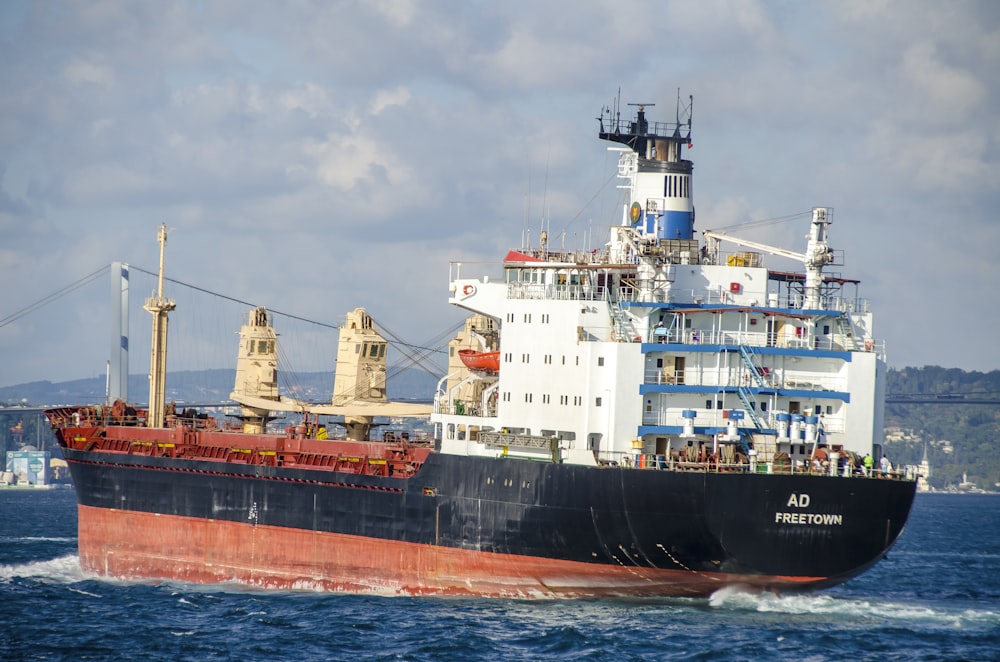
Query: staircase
(750, 404)
(749, 356)
(844, 327)
(621, 324)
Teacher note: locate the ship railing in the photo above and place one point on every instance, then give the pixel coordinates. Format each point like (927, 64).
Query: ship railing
(738, 377)
(787, 301)
(459, 408)
(833, 342)
(674, 460)
(556, 292)
(717, 417)
(846, 305)
(518, 440)
(668, 462)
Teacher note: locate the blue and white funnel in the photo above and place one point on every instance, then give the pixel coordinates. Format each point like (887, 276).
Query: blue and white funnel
(661, 204)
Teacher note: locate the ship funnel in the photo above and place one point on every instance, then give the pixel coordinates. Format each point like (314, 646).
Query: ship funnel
(660, 180)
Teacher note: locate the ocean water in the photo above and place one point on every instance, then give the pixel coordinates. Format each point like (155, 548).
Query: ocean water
(936, 597)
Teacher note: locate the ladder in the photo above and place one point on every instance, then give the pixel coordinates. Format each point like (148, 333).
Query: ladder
(749, 357)
(750, 404)
(621, 325)
(844, 326)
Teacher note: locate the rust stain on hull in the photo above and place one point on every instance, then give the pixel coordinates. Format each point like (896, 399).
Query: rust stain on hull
(135, 545)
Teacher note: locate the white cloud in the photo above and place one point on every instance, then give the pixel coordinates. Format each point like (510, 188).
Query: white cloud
(79, 72)
(289, 144)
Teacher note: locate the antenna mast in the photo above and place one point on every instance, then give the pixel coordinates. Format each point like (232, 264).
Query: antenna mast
(159, 307)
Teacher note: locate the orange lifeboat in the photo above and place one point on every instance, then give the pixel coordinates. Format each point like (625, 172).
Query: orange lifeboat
(484, 361)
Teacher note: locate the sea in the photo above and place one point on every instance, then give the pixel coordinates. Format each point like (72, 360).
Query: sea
(935, 597)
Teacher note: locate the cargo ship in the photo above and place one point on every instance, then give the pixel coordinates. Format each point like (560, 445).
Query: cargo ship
(656, 416)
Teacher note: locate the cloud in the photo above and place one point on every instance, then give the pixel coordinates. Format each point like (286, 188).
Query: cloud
(315, 156)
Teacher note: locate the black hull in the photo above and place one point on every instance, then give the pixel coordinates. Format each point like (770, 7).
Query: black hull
(812, 530)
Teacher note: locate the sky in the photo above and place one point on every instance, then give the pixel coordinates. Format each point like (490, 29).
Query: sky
(318, 156)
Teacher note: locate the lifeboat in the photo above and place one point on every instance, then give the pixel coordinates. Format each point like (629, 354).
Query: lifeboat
(484, 361)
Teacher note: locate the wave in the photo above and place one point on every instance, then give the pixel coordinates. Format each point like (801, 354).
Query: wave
(62, 570)
(836, 608)
(17, 539)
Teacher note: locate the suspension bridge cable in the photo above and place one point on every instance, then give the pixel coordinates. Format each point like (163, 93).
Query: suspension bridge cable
(397, 341)
(235, 300)
(86, 280)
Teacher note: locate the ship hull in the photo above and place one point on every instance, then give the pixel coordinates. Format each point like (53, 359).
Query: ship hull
(478, 526)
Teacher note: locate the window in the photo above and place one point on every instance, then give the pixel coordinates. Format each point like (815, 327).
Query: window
(708, 404)
(597, 402)
(763, 405)
(600, 360)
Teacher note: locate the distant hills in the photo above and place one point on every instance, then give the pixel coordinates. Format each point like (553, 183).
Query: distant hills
(958, 438)
(203, 386)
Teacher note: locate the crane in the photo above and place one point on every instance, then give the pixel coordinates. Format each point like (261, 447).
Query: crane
(818, 253)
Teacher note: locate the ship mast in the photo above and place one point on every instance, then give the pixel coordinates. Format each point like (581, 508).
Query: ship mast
(159, 307)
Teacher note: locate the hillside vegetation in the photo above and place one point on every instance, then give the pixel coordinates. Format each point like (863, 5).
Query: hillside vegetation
(959, 438)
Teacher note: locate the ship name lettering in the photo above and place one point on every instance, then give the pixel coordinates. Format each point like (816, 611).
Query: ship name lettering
(798, 500)
(816, 519)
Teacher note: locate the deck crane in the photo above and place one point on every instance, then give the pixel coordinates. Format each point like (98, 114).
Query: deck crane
(818, 253)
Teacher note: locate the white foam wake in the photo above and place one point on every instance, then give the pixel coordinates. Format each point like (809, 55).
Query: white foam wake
(61, 570)
(819, 604)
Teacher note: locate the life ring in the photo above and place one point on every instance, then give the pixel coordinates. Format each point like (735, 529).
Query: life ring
(468, 289)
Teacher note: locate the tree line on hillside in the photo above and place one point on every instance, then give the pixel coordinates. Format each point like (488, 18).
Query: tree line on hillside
(971, 431)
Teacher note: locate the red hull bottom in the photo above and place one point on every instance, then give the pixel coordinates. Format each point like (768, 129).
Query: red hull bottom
(135, 545)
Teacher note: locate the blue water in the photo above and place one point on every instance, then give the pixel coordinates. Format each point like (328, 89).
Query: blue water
(937, 597)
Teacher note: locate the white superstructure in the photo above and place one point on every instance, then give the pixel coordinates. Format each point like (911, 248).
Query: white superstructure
(655, 349)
